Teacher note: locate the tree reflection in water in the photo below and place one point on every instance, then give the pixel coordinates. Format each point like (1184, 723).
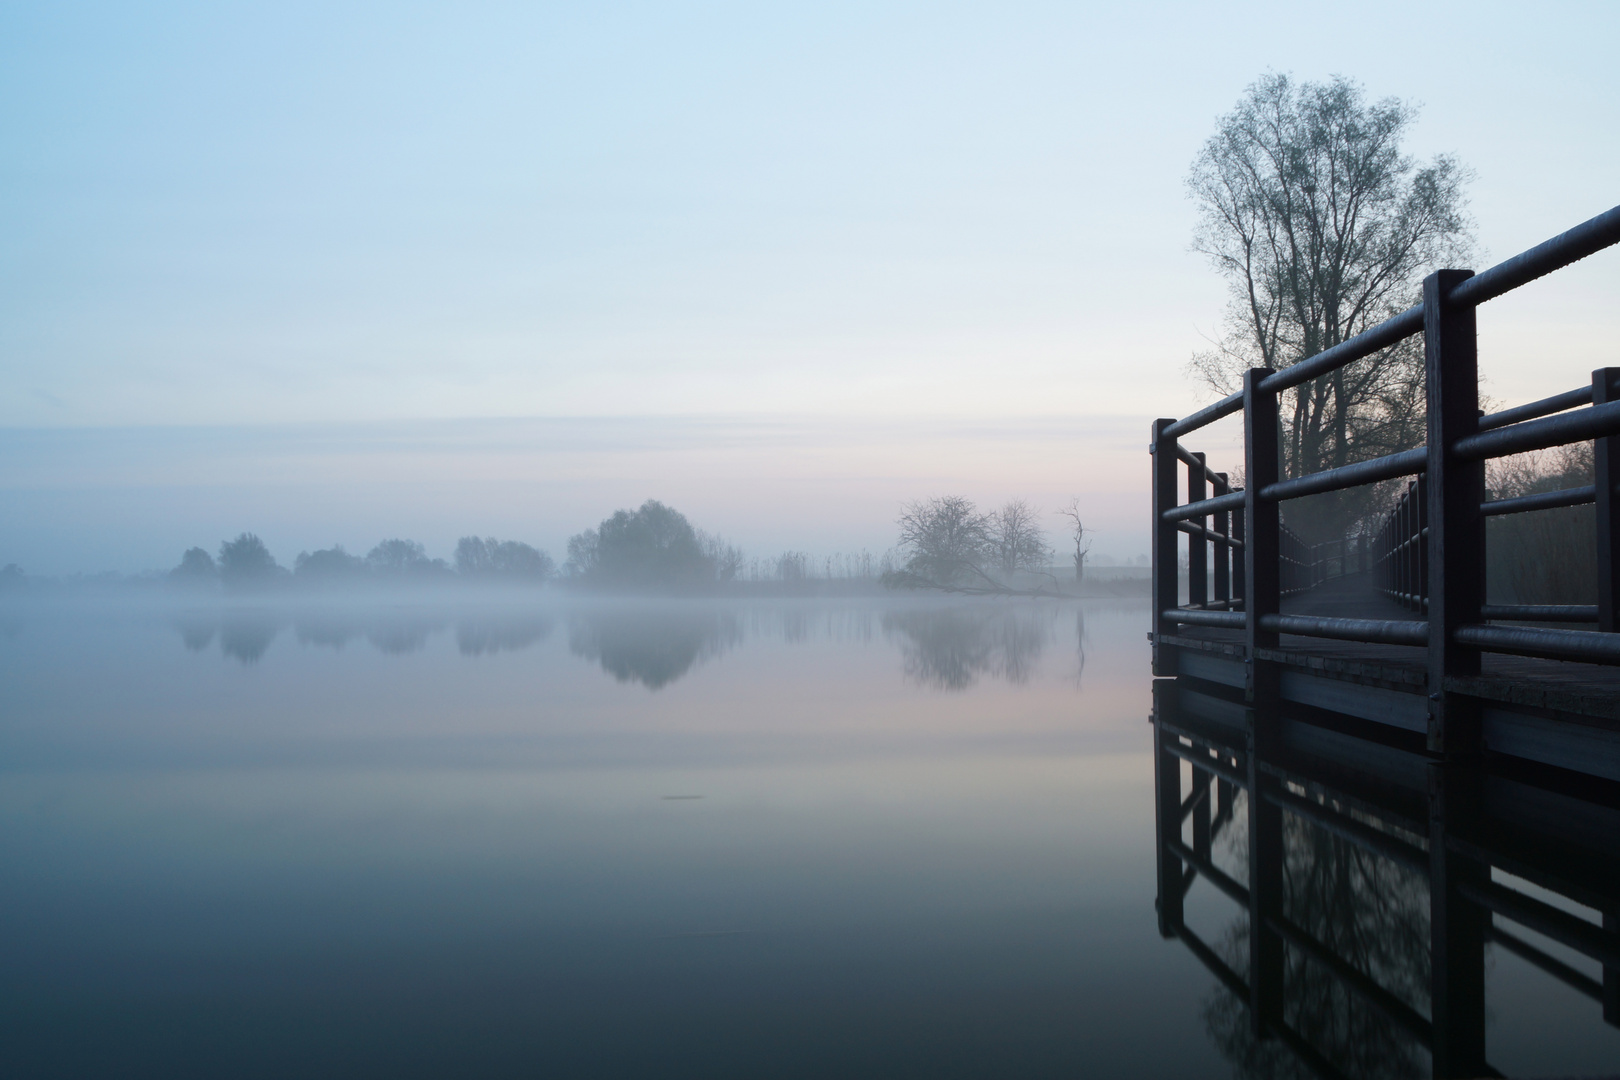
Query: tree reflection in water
(491, 633)
(652, 647)
(950, 649)
(245, 636)
(395, 633)
(1370, 911)
(196, 631)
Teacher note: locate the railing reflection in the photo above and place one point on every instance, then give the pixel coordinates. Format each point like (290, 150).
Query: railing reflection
(1364, 873)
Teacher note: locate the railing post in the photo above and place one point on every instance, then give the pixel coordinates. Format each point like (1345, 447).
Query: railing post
(1166, 579)
(1167, 818)
(1223, 552)
(1456, 549)
(1198, 545)
(1239, 580)
(1262, 520)
(1611, 973)
(1606, 473)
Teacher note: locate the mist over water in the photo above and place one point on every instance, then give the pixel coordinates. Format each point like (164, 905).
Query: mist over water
(595, 837)
(494, 838)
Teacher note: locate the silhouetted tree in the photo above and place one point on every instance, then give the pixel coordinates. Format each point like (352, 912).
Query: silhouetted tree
(946, 540)
(653, 547)
(197, 567)
(1082, 546)
(245, 562)
(11, 577)
(725, 558)
(331, 563)
(489, 557)
(1016, 541)
(403, 557)
(1323, 228)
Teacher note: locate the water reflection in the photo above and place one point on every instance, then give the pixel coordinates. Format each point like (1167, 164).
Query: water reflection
(951, 649)
(508, 631)
(196, 632)
(941, 648)
(1367, 875)
(651, 646)
(247, 636)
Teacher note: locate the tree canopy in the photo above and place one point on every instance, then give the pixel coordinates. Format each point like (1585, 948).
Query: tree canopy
(1323, 227)
(245, 562)
(653, 547)
(947, 543)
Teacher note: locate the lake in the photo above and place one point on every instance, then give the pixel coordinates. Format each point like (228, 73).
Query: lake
(888, 837)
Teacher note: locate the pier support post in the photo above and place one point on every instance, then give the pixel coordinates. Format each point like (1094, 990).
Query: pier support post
(1265, 880)
(1454, 490)
(1166, 571)
(1611, 974)
(1167, 818)
(1606, 473)
(1457, 926)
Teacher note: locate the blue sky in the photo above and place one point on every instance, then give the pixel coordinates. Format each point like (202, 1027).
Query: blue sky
(226, 218)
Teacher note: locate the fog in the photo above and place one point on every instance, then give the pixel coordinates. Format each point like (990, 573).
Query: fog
(133, 499)
(611, 540)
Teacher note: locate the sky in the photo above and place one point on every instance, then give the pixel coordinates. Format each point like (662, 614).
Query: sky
(334, 272)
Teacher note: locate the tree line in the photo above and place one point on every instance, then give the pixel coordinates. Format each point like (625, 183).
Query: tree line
(246, 562)
(949, 544)
(944, 543)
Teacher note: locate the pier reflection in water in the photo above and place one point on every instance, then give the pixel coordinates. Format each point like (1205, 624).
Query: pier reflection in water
(1375, 888)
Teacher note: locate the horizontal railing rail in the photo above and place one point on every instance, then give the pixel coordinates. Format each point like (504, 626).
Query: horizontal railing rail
(1536, 409)
(1388, 467)
(1543, 500)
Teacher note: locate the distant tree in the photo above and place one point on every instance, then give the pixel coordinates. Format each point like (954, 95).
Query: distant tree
(726, 558)
(653, 547)
(1322, 228)
(519, 560)
(1077, 528)
(393, 557)
(197, 567)
(473, 556)
(945, 540)
(245, 562)
(328, 564)
(582, 554)
(11, 577)
(1016, 541)
(489, 557)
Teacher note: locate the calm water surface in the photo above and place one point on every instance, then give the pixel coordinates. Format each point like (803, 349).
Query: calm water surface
(776, 838)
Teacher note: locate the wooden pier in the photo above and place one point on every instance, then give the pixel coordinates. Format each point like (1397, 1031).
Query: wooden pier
(1396, 628)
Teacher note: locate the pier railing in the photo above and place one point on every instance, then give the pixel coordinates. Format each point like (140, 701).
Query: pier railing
(1435, 544)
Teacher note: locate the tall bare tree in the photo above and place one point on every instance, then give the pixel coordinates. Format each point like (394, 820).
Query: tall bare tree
(1077, 527)
(1016, 541)
(1322, 227)
(946, 539)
